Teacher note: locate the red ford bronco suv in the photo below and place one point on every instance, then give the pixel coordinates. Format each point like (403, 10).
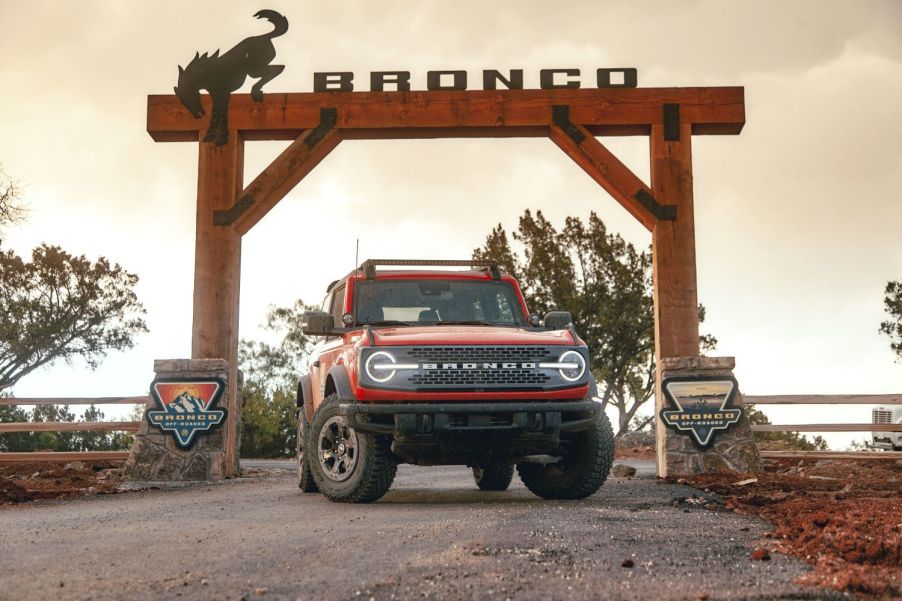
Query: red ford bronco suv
(438, 367)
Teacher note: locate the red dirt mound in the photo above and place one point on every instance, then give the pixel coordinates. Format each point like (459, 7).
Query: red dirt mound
(843, 517)
(21, 482)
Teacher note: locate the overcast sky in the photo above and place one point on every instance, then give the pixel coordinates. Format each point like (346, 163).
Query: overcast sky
(798, 218)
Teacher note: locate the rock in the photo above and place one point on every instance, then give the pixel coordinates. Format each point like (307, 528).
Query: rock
(10, 492)
(627, 563)
(761, 555)
(74, 465)
(260, 591)
(623, 471)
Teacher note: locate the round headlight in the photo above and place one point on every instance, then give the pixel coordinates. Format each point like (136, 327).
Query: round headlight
(379, 365)
(572, 375)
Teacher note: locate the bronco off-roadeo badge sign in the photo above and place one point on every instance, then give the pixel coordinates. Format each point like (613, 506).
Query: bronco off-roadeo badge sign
(700, 407)
(186, 408)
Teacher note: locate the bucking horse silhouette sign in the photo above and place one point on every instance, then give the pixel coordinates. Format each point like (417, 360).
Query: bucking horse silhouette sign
(222, 75)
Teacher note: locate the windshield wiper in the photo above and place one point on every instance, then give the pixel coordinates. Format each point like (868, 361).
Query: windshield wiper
(385, 322)
(463, 322)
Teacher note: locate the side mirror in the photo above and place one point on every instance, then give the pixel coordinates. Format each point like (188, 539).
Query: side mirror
(318, 323)
(558, 320)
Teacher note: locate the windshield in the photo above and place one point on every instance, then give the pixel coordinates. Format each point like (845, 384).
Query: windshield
(431, 302)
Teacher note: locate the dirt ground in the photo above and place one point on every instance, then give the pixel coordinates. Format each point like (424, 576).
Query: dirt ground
(21, 482)
(635, 446)
(842, 517)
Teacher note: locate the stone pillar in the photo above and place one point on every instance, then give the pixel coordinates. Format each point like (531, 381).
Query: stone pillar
(155, 456)
(732, 450)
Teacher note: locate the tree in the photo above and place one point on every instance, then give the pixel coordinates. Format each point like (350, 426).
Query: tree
(11, 209)
(269, 413)
(606, 284)
(275, 366)
(61, 307)
(14, 441)
(782, 441)
(892, 327)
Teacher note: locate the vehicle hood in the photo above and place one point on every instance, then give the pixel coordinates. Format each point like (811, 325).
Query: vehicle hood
(492, 335)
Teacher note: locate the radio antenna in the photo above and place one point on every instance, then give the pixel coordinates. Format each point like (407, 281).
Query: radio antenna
(356, 254)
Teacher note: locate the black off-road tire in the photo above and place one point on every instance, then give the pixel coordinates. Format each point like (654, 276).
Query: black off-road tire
(305, 477)
(587, 459)
(495, 475)
(373, 470)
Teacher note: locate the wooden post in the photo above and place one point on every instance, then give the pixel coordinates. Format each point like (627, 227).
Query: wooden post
(217, 273)
(673, 258)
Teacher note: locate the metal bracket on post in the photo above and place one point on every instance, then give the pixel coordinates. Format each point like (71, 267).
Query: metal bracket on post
(661, 212)
(228, 217)
(328, 118)
(671, 122)
(560, 116)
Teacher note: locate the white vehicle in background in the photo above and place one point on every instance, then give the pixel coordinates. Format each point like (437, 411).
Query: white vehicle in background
(891, 414)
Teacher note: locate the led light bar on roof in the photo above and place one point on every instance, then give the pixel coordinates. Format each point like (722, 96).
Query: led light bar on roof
(369, 266)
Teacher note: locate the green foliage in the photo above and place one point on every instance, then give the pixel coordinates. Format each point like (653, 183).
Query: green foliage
(269, 411)
(892, 327)
(277, 366)
(606, 283)
(269, 422)
(61, 307)
(58, 441)
(790, 441)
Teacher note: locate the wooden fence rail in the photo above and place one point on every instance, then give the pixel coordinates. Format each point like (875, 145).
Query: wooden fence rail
(104, 400)
(824, 399)
(828, 399)
(42, 456)
(70, 427)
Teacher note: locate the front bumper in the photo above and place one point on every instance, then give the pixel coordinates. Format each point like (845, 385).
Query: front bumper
(468, 433)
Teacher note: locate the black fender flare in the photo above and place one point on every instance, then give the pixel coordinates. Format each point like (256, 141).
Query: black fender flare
(339, 382)
(593, 388)
(305, 391)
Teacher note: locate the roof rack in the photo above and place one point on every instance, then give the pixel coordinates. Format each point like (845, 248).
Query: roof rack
(369, 266)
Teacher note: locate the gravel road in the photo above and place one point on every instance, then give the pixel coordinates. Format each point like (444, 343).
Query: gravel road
(434, 535)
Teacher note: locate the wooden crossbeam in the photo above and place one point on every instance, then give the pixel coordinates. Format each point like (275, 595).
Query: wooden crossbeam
(500, 113)
(606, 169)
(277, 180)
(70, 427)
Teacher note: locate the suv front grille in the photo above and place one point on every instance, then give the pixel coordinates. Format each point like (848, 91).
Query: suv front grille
(472, 368)
(881, 416)
(478, 377)
(451, 354)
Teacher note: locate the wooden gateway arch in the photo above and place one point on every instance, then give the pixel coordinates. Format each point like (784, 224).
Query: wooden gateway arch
(316, 122)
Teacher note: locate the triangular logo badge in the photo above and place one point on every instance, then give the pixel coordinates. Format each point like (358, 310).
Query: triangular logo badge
(700, 407)
(186, 408)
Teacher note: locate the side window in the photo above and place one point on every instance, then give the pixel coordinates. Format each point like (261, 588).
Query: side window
(338, 305)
